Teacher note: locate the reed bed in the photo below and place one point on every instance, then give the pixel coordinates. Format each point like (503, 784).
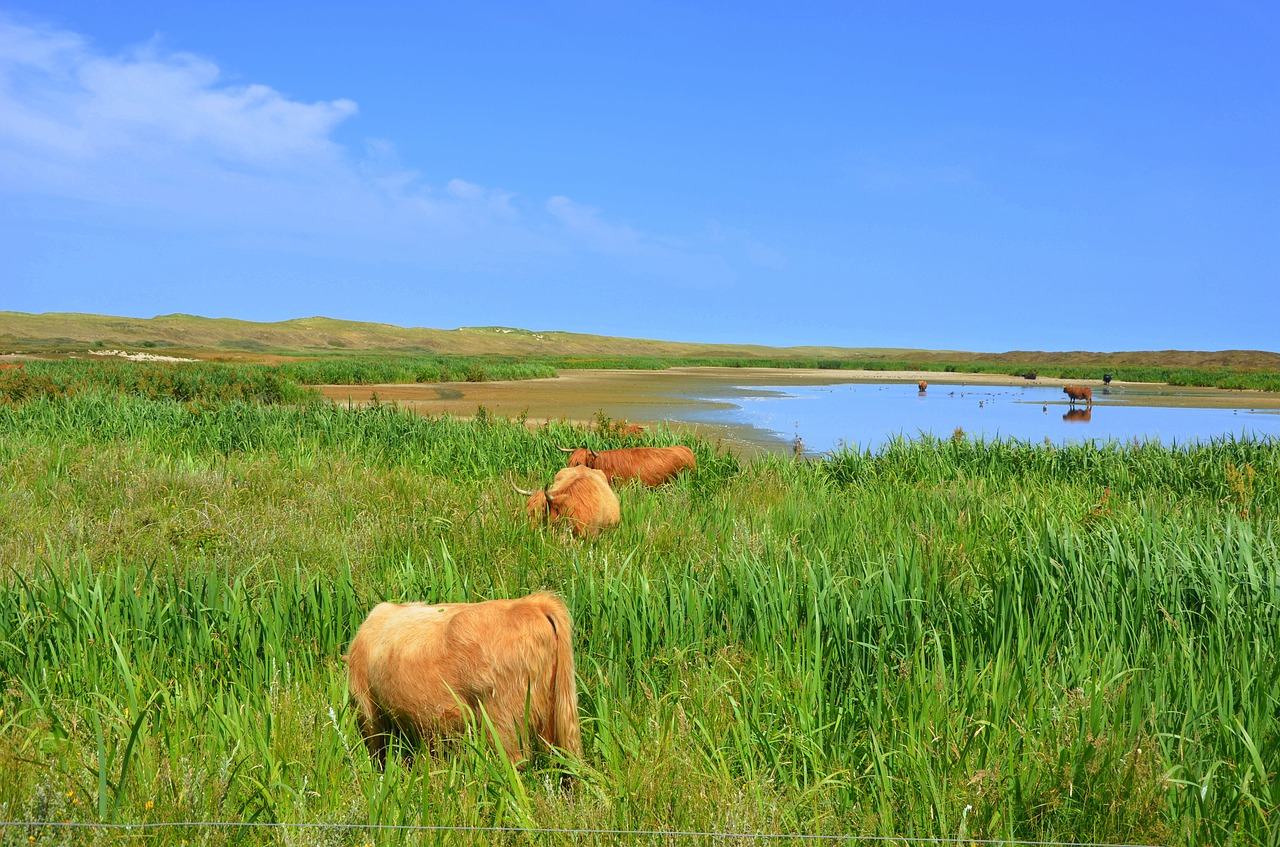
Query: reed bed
(373, 370)
(946, 638)
(291, 381)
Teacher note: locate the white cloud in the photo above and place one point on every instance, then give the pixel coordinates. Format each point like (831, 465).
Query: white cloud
(585, 224)
(149, 138)
(61, 98)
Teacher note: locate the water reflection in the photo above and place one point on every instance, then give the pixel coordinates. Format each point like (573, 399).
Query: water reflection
(868, 415)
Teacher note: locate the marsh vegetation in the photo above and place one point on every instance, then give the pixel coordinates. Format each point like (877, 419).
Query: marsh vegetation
(942, 638)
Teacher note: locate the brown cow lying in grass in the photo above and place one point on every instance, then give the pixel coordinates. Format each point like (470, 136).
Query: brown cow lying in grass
(580, 495)
(422, 672)
(1078, 392)
(650, 465)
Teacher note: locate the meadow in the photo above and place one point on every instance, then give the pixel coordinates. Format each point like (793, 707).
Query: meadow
(946, 638)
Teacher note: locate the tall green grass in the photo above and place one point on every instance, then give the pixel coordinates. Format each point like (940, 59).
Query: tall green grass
(187, 382)
(368, 370)
(943, 638)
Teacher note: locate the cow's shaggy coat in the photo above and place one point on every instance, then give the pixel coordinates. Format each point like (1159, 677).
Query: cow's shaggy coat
(423, 672)
(1077, 393)
(650, 465)
(581, 496)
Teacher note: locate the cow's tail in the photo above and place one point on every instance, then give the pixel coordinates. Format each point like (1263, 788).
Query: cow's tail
(567, 733)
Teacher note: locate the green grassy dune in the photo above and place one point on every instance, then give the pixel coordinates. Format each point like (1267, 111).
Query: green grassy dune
(62, 331)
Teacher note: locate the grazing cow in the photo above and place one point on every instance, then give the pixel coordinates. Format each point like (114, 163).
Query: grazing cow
(422, 672)
(650, 465)
(581, 495)
(1078, 393)
(922, 385)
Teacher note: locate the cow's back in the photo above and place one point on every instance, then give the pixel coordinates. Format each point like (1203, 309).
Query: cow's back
(421, 670)
(651, 465)
(586, 499)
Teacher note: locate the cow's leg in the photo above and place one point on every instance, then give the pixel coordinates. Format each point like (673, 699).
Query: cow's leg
(377, 736)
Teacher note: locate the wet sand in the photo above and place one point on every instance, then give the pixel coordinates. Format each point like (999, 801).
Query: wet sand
(669, 396)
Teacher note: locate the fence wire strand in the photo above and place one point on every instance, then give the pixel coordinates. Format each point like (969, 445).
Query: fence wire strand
(525, 830)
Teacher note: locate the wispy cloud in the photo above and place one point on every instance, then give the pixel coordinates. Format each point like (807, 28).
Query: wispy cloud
(154, 137)
(586, 225)
(64, 103)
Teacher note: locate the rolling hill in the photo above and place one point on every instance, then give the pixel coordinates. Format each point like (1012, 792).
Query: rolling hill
(230, 338)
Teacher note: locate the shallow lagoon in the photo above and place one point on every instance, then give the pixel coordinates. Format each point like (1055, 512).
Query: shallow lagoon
(868, 415)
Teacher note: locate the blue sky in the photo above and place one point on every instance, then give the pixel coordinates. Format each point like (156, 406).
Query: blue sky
(977, 176)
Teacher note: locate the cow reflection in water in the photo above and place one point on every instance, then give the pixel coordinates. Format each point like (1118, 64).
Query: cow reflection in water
(1078, 415)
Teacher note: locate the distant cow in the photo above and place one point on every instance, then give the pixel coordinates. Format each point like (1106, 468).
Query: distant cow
(1106, 379)
(12, 366)
(422, 672)
(650, 465)
(1078, 393)
(578, 494)
(620, 426)
(922, 385)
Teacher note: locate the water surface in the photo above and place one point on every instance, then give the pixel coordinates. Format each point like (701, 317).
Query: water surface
(868, 415)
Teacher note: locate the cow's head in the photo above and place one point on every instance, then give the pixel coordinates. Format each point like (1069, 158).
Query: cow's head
(580, 456)
(540, 506)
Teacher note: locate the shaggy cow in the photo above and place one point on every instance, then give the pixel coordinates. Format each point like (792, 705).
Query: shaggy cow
(422, 672)
(650, 465)
(922, 385)
(581, 495)
(1078, 393)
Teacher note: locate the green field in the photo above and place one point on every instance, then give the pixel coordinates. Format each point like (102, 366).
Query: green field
(945, 639)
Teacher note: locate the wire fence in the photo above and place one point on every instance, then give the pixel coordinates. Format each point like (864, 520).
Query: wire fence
(772, 837)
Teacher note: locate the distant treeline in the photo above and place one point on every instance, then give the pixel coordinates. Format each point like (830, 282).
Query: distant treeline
(291, 381)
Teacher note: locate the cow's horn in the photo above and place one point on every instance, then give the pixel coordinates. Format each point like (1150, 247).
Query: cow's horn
(521, 490)
(565, 449)
(595, 455)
